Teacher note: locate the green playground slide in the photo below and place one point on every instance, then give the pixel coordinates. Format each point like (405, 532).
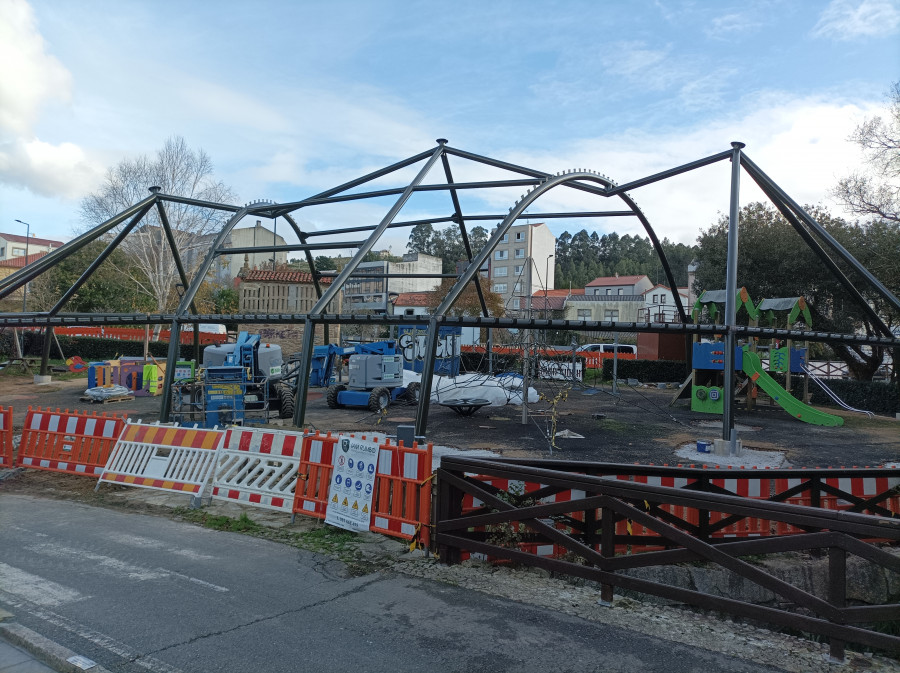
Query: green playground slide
(796, 408)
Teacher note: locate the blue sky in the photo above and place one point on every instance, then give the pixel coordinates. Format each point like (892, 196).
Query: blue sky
(290, 98)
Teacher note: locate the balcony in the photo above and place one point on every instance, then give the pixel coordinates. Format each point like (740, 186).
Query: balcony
(659, 313)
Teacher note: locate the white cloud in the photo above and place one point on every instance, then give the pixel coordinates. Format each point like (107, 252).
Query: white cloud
(31, 79)
(31, 76)
(801, 144)
(725, 25)
(850, 19)
(49, 170)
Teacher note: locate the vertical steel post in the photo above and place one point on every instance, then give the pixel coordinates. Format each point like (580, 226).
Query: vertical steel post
(165, 406)
(731, 298)
(427, 374)
(302, 389)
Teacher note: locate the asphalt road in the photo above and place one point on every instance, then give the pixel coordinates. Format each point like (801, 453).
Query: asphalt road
(142, 593)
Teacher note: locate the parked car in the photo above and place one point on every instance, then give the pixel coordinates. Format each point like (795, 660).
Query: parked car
(607, 348)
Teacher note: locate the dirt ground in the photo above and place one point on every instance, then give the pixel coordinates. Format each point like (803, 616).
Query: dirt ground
(638, 425)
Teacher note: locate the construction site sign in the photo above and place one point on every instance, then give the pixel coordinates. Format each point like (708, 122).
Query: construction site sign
(354, 463)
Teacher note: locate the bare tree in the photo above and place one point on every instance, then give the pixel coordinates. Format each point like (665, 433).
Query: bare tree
(180, 171)
(876, 192)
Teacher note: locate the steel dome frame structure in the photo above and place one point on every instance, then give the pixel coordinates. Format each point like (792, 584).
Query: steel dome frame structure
(538, 184)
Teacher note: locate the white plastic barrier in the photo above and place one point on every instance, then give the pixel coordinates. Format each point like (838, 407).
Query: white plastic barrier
(258, 467)
(163, 457)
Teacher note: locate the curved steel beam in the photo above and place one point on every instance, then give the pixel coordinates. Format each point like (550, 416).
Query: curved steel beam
(659, 252)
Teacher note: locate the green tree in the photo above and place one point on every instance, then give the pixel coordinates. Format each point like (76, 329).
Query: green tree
(106, 291)
(773, 261)
(324, 263)
(421, 239)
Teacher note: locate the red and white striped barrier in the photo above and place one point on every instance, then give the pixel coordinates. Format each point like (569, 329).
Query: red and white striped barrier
(6, 437)
(258, 467)
(71, 442)
(401, 503)
(163, 457)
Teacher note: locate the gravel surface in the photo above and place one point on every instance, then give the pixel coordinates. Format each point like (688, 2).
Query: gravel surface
(719, 634)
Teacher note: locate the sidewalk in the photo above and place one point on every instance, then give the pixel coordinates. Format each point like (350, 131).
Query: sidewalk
(25, 651)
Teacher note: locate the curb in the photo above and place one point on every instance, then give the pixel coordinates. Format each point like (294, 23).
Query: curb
(53, 654)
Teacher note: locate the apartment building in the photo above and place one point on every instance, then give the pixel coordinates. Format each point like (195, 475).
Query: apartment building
(12, 246)
(521, 265)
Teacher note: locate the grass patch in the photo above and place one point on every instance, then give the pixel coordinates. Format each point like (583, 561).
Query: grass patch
(324, 539)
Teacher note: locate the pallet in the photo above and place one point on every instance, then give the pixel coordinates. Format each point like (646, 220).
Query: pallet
(111, 400)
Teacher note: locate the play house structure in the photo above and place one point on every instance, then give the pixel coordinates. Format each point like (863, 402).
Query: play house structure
(707, 376)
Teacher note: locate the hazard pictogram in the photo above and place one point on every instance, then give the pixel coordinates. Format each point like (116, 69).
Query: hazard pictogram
(334, 499)
(355, 504)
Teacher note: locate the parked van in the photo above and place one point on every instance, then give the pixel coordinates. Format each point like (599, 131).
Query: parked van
(607, 348)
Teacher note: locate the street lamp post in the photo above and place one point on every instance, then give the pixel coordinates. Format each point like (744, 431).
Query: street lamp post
(25, 287)
(546, 282)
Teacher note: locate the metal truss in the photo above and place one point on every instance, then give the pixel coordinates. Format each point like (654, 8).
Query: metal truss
(537, 183)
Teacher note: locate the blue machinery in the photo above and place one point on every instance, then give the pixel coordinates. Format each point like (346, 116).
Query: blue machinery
(240, 384)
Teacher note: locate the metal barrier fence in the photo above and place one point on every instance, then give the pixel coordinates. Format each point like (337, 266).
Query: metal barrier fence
(571, 523)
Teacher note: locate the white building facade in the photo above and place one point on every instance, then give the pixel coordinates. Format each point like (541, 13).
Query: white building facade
(522, 264)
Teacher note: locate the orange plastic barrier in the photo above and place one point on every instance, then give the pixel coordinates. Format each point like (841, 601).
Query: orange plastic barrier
(314, 478)
(6, 437)
(71, 442)
(137, 334)
(401, 500)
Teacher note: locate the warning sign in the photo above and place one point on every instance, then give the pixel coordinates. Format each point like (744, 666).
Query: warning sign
(354, 462)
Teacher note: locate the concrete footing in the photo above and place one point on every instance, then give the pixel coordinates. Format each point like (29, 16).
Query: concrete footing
(722, 447)
(42, 380)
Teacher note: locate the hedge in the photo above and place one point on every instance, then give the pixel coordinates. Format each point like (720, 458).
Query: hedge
(91, 349)
(648, 371)
(875, 396)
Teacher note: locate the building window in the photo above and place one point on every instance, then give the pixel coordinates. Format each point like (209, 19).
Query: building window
(18, 252)
(505, 238)
(2, 252)
(611, 314)
(501, 254)
(517, 289)
(518, 269)
(662, 299)
(515, 304)
(409, 312)
(656, 299)
(500, 271)
(608, 291)
(520, 253)
(520, 235)
(500, 287)
(621, 291)
(584, 314)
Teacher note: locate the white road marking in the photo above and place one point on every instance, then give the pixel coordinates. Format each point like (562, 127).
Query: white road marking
(149, 543)
(107, 563)
(102, 640)
(118, 568)
(36, 589)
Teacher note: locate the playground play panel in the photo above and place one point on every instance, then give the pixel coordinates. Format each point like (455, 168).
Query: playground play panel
(706, 382)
